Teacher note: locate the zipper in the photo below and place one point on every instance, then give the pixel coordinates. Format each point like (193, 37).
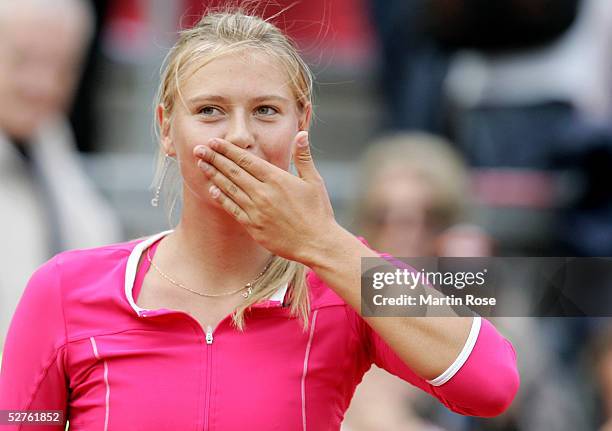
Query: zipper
(208, 382)
(209, 335)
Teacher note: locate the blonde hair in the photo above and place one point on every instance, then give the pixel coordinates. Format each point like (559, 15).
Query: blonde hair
(429, 157)
(220, 33)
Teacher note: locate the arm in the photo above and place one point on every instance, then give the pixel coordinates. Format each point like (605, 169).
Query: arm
(463, 361)
(32, 375)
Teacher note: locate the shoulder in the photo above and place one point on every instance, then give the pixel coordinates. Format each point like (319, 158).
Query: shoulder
(92, 266)
(99, 266)
(81, 277)
(321, 295)
(95, 257)
(86, 257)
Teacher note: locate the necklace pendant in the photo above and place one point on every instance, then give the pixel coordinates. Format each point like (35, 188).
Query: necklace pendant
(247, 293)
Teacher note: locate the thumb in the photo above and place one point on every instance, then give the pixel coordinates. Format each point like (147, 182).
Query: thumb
(302, 158)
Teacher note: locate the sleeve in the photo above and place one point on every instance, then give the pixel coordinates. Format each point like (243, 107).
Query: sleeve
(33, 375)
(482, 381)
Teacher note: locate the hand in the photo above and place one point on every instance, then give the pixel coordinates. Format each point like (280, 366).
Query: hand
(288, 215)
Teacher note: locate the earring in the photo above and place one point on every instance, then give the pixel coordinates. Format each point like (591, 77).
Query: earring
(155, 200)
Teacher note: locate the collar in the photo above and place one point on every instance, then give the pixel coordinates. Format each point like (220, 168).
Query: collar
(132, 267)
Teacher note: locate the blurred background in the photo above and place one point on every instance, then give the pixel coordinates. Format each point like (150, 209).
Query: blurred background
(442, 128)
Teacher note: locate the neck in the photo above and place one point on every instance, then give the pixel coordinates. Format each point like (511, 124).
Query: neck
(209, 248)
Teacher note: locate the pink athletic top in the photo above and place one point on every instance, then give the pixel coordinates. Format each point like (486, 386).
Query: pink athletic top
(79, 343)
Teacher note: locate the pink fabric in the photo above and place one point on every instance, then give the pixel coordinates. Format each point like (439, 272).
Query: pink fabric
(156, 371)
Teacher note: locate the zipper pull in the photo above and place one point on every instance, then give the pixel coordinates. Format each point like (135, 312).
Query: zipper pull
(209, 336)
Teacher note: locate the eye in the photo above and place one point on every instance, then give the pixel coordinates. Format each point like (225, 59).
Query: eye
(210, 111)
(266, 110)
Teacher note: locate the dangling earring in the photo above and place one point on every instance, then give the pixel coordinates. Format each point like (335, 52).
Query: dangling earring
(155, 200)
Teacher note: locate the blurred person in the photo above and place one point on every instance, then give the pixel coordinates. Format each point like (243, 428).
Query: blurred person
(510, 52)
(383, 402)
(48, 203)
(548, 51)
(84, 118)
(413, 202)
(414, 188)
(251, 303)
(599, 363)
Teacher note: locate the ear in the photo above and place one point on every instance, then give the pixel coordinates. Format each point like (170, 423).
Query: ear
(164, 128)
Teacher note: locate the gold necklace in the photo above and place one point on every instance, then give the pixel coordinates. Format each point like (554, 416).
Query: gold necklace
(247, 286)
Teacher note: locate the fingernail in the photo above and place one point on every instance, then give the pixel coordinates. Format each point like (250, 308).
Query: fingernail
(201, 151)
(214, 191)
(303, 139)
(203, 165)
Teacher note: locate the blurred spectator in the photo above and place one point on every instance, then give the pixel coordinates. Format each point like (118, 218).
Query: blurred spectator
(412, 66)
(383, 402)
(436, 53)
(414, 189)
(601, 367)
(555, 51)
(83, 115)
(48, 203)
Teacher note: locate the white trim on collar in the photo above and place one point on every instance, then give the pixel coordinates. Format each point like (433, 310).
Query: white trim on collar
(279, 295)
(132, 268)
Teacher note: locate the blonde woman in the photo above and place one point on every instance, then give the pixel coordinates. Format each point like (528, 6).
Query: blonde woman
(414, 187)
(245, 316)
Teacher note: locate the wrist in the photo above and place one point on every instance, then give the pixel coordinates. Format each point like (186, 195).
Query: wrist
(328, 247)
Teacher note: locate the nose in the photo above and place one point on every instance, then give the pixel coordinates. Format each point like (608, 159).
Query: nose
(239, 131)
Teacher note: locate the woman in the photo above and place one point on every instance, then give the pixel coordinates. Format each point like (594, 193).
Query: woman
(413, 190)
(245, 315)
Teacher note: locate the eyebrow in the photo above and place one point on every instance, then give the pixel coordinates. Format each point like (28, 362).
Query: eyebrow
(221, 99)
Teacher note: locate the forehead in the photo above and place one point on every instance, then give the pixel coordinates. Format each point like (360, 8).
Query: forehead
(31, 30)
(396, 185)
(238, 75)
